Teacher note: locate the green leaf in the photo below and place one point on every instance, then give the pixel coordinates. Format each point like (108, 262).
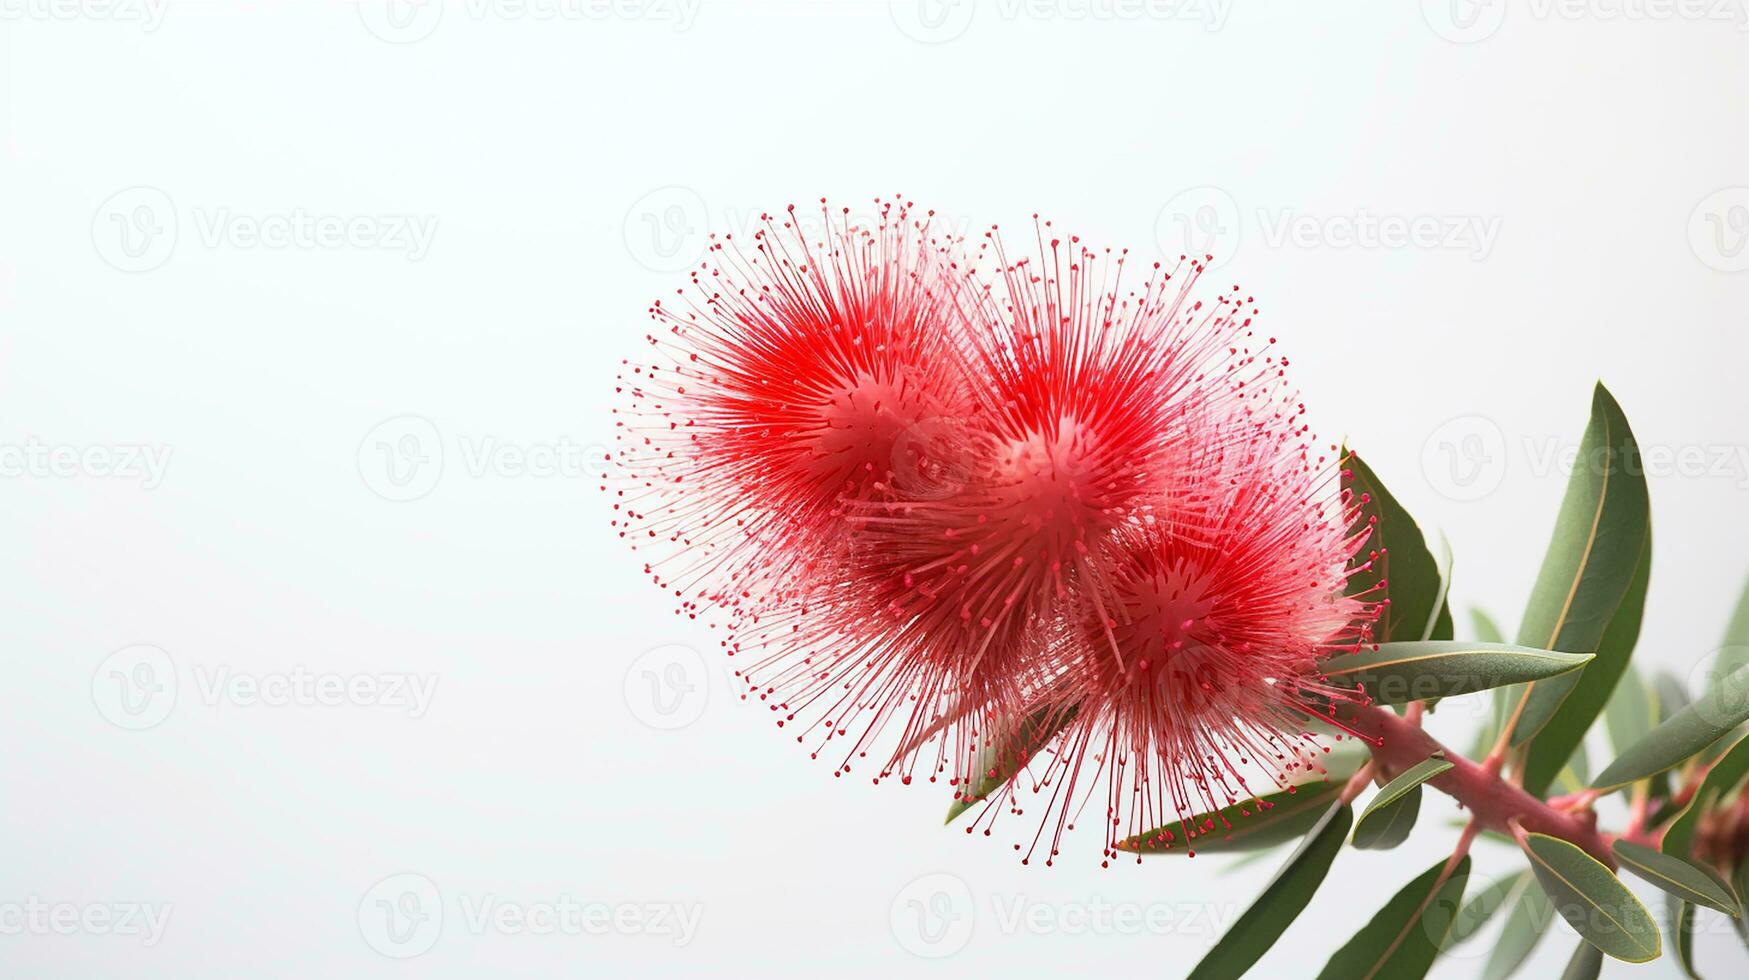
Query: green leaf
(1396, 553)
(1390, 816)
(1734, 652)
(1565, 732)
(1004, 755)
(1668, 697)
(1485, 628)
(1682, 735)
(1528, 914)
(1253, 825)
(1481, 908)
(1390, 826)
(1488, 631)
(1740, 885)
(1628, 716)
(1593, 900)
(1722, 781)
(1682, 932)
(1672, 696)
(1403, 939)
(1586, 964)
(1601, 540)
(1574, 776)
(1397, 673)
(1286, 896)
(1690, 882)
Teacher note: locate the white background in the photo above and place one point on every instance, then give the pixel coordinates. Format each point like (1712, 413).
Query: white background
(570, 165)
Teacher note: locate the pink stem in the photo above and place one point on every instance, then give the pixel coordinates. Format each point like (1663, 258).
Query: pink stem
(1493, 802)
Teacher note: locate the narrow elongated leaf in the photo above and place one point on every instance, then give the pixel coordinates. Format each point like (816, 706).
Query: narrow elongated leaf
(1383, 829)
(1740, 885)
(1672, 695)
(1682, 933)
(1390, 816)
(1593, 900)
(1684, 734)
(1488, 631)
(1601, 536)
(1008, 753)
(1286, 896)
(1253, 825)
(1528, 914)
(1485, 628)
(1630, 712)
(1478, 910)
(1395, 553)
(1668, 697)
(1721, 781)
(1397, 673)
(1576, 774)
(1586, 964)
(1690, 882)
(1589, 691)
(1405, 937)
(1734, 652)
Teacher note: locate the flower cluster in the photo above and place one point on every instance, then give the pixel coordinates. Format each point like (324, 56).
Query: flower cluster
(961, 508)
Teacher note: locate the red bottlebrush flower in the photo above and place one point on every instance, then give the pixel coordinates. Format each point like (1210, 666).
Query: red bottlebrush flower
(1087, 392)
(782, 389)
(1207, 664)
(945, 501)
